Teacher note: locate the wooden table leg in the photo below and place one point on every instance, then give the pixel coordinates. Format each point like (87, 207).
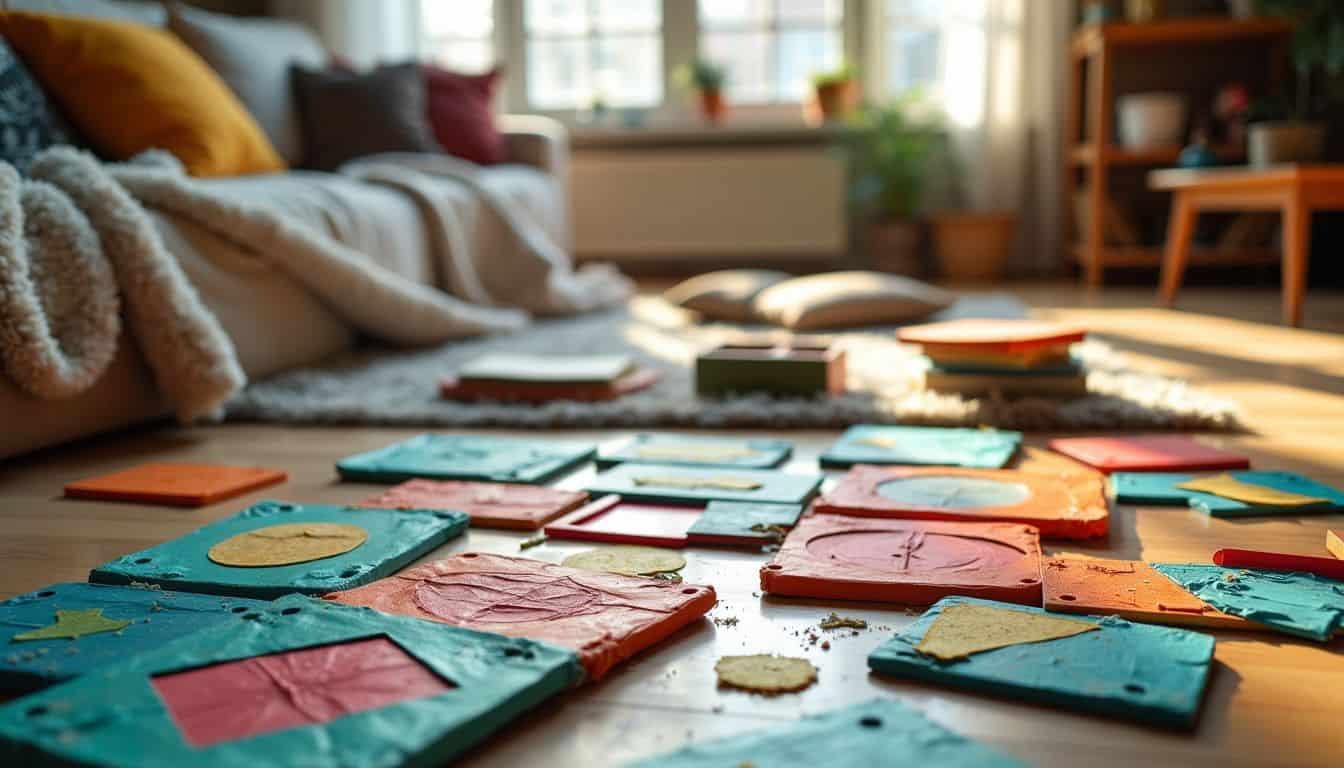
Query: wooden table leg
(1296, 245)
(1180, 230)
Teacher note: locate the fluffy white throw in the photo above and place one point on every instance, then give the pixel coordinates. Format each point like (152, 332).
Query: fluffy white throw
(76, 244)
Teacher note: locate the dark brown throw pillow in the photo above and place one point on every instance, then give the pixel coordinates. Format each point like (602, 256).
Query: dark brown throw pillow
(345, 115)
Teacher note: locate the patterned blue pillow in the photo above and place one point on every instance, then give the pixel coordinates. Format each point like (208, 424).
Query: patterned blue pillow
(29, 122)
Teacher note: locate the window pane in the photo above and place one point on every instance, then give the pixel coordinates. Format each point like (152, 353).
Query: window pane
(558, 73)
(629, 70)
(734, 14)
(913, 57)
(810, 11)
(746, 57)
(918, 9)
(456, 18)
(629, 15)
(557, 17)
(802, 54)
(464, 55)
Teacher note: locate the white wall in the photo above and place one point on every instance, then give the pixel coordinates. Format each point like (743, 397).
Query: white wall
(363, 31)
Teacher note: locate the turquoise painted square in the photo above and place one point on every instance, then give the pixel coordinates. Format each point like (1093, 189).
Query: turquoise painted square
(737, 518)
(1301, 604)
(775, 487)
(872, 733)
(462, 457)
(157, 617)
(114, 718)
(1159, 488)
(396, 538)
(1134, 671)
(923, 446)
(764, 453)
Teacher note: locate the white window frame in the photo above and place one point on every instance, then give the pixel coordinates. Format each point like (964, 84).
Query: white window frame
(680, 36)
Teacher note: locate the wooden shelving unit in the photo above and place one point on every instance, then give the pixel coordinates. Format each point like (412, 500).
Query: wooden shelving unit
(1090, 154)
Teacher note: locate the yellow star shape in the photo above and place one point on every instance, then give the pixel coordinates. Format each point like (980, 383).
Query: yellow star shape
(74, 624)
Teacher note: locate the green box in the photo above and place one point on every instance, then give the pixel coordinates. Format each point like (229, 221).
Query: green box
(791, 370)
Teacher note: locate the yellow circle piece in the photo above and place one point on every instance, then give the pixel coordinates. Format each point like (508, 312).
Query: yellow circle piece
(288, 544)
(765, 674)
(630, 561)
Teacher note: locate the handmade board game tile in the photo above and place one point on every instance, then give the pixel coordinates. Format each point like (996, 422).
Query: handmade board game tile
(549, 369)
(870, 733)
(179, 485)
(629, 561)
(700, 485)
(998, 335)
(490, 505)
(604, 617)
(682, 450)
(762, 673)
(186, 563)
(905, 561)
(65, 630)
(287, 544)
(1130, 589)
(302, 679)
(471, 391)
(1059, 507)
(1228, 487)
(737, 523)
(1334, 544)
(1016, 383)
(1140, 672)
(1171, 488)
(1325, 567)
(464, 457)
(1148, 453)
(962, 630)
(1301, 604)
(931, 446)
(613, 520)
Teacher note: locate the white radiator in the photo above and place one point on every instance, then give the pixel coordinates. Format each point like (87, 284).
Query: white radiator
(731, 203)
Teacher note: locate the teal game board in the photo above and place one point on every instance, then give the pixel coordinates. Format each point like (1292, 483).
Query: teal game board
(923, 446)
(1140, 672)
(1159, 489)
(302, 682)
(462, 457)
(395, 539)
(670, 484)
(693, 451)
(1301, 604)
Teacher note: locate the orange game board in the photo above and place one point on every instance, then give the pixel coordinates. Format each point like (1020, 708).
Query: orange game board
(604, 617)
(1130, 589)
(1005, 337)
(178, 485)
(490, 505)
(1060, 504)
(906, 561)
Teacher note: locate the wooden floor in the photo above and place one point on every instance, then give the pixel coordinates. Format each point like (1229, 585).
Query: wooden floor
(1273, 700)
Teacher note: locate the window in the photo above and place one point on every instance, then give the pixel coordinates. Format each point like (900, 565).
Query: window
(771, 48)
(939, 48)
(459, 34)
(579, 52)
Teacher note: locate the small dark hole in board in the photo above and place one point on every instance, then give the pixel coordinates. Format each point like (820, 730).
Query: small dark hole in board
(240, 609)
(871, 722)
(1069, 598)
(45, 593)
(38, 711)
(141, 560)
(290, 611)
(1136, 688)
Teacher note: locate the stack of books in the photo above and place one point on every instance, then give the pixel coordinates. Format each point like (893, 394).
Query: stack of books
(1008, 357)
(546, 378)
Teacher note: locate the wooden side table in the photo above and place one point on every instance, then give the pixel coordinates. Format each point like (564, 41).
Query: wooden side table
(1293, 190)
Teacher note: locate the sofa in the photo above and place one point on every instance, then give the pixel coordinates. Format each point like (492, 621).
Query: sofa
(274, 325)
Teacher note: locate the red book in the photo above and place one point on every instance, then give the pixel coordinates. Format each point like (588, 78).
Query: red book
(1148, 453)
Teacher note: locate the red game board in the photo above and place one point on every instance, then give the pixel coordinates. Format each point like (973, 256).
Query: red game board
(1060, 505)
(906, 561)
(490, 505)
(604, 617)
(178, 485)
(613, 520)
(1148, 453)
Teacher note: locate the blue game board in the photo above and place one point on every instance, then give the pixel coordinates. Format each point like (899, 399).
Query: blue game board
(462, 457)
(1159, 488)
(1301, 604)
(925, 446)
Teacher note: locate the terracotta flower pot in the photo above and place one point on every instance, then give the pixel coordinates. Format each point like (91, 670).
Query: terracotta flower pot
(712, 105)
(973, 247)
(830, 102)
(1285, 141)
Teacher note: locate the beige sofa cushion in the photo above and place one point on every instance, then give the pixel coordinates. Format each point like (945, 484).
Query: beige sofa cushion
(724, 295)
(847, 299)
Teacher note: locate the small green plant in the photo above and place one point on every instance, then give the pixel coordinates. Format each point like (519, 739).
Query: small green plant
(1318, 50)
(702, 75)
(838, 76)
(893, 150)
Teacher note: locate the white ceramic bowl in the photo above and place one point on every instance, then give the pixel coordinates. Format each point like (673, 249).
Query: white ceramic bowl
(1148, 120)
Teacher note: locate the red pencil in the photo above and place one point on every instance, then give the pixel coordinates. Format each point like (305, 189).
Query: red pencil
(1327, 567)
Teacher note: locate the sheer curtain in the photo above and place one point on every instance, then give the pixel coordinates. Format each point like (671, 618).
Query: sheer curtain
(364, 32)
(998, 68)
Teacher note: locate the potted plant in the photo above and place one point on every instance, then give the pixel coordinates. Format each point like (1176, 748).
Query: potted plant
(891, 149)
(833, 96)
(707, 79)
(1275, 135)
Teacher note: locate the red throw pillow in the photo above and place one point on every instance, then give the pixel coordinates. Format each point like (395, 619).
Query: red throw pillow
(461, 114)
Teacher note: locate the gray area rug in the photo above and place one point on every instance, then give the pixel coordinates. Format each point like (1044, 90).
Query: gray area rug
(401, 388)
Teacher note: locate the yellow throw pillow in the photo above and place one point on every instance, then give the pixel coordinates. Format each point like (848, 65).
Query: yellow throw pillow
(130, 88)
